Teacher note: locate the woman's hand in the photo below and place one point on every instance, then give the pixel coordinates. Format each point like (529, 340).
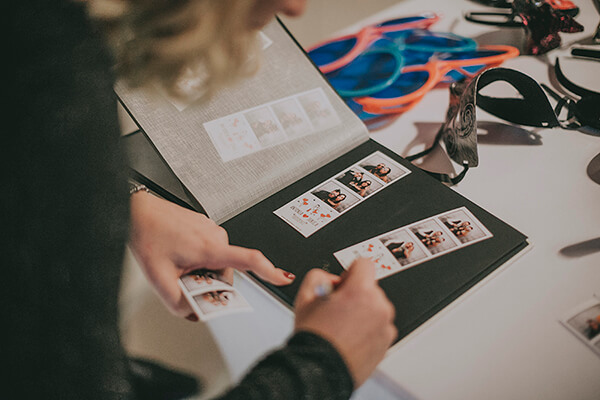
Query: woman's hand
(170, 241)
(357, 318)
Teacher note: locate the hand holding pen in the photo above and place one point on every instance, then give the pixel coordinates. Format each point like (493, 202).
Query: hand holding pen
(352, 312)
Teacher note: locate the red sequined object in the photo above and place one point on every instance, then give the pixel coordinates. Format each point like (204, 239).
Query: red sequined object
(543, 24)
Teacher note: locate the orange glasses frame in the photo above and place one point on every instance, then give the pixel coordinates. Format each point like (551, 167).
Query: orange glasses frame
(366, 36)
(436, 69)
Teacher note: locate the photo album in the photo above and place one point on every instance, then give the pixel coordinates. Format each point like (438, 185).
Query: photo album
(287, 168)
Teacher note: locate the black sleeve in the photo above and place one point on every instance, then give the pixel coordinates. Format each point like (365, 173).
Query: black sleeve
(65, 193)
(308, 367)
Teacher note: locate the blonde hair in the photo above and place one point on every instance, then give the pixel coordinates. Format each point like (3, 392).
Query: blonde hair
(160, 40)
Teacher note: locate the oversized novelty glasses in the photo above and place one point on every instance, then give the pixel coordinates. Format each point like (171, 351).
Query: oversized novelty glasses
(335, 53)
(416, 80)
(380, 65)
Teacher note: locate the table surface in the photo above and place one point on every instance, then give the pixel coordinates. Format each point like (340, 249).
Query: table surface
(503, 339)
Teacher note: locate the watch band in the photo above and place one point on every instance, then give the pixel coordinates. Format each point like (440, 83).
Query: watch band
(136, 187)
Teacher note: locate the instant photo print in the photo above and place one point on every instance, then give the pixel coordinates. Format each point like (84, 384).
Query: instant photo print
(583, 321)
(286, 167)
(211, 294)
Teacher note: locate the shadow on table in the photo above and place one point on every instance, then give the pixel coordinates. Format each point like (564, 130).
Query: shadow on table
(437, 160)
(581, 249)
(488, 133)
(505, 36)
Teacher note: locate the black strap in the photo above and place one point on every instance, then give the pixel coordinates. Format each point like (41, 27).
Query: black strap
(569, 85)
(504, 18)
(533, 109)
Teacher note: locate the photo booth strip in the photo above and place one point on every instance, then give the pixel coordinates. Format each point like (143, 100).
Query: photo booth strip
(343, 191)
(210, 296)
(251, 130)
(418, 242)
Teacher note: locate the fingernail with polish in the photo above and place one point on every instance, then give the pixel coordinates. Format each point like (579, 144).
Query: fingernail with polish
(289, 275)
(192, 317)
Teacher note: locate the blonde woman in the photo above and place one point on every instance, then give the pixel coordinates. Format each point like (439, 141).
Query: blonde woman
(69, 213)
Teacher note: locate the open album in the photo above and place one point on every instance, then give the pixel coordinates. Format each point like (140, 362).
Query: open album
(286, 167)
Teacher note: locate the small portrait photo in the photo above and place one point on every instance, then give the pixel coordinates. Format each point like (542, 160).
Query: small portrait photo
(292, 118)
(463, 226)
(383, 168)
(385, 263)
(403, 247)
(336, 196)
(265, 126)
(356, 180)
(232, 136)
(319, 110)
(219, 302)
(585, 320)
(432, 236)
(203, 279)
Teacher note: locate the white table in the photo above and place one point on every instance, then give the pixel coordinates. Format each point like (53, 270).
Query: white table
(502, 340)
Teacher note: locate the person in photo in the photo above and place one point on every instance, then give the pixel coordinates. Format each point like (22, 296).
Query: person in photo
(208, 277)
(592, 328)
(374, 168)
(458, 227)
(218, 298)
(362, 187)
(290, 119)
(383, 173)
(327, 195)
(333, 198)
(401, 250)
(336, 202)
(204, 277)
(351, 178)
(430, 238)
(380, 170)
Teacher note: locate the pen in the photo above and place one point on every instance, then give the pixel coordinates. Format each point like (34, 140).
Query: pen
(324, 289)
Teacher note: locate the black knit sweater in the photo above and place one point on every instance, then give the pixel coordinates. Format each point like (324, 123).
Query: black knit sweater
(65, 217)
